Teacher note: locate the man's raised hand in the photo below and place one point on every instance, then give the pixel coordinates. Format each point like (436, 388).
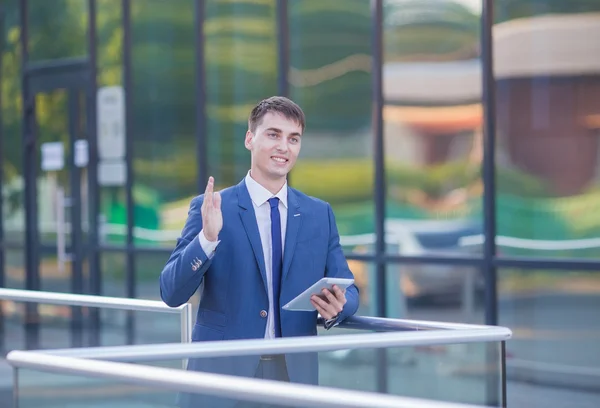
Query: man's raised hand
(212, 218)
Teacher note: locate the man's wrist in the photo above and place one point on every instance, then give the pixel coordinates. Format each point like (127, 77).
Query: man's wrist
(209, 247)
(212, 240)
(329, 323)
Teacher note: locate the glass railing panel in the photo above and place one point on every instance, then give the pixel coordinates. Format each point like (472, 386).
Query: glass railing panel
(51, 390)
(59, 326)
(469, 373)
(39, 326)
(56, 389)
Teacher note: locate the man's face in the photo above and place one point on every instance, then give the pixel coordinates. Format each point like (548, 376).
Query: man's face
(274, 146)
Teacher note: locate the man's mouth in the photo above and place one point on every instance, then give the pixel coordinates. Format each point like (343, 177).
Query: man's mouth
(279, 159)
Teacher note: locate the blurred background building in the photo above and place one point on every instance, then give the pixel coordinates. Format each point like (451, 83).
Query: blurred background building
(459, 195)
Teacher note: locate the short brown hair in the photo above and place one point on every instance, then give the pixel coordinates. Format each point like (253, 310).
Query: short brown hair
(278, 104)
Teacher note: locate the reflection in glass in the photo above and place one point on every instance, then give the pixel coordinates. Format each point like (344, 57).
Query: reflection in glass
(148, 266)
(164, 146)
(12, 189)
(14, 268)
(547, 69)
(437, 292)
(432, 127)
(241, 70)
(425, 378)
(112, 269)
(330, 57)
(112, 220)
(57, 29)
(556, 332)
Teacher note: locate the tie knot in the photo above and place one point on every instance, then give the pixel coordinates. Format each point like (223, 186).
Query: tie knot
(274, 202)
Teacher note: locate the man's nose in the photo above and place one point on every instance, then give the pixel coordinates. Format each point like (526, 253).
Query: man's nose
(282, 146)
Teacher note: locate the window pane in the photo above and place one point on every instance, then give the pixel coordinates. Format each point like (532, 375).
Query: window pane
(432, 127)
(57, 29)
(113, 212)
(164, 100)
(12, 188)
(437, 292)
(552, 358)
(241, 69)
(548, 123)
(330, 57)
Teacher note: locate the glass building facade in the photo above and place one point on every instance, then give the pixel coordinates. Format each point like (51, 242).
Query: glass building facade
(458, 142)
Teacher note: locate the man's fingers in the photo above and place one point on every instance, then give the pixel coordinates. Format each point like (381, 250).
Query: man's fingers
(209, 185)
(336, 303)
(339, 294)
(321, 307)
(217, 200)
(326, 307)
(208, 194)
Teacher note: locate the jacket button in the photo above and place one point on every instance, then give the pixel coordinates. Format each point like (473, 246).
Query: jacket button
(263, 313)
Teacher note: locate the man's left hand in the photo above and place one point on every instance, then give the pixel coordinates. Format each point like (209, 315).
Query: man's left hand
(329, 304)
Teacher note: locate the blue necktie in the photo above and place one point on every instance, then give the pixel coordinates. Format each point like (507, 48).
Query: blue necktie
(277, 261)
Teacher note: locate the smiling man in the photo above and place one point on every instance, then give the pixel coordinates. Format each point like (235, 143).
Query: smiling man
(254, 247)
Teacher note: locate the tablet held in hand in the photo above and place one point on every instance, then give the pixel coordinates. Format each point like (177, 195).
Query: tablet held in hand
(302, 302)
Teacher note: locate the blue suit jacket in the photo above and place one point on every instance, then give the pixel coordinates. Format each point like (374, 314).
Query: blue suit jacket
(234, 279)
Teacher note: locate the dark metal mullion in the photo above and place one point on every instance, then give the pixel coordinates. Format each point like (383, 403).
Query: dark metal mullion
(547, 263)
(2, 248)
(399, 259)
(489, 187)
(129, 133)
(377, 124)
(93, 188)
(503, 396)
(283, 48)
(201, 125)
(379, 187)
(30, 164)
(525, 263)
(283, 56)
(75, 209)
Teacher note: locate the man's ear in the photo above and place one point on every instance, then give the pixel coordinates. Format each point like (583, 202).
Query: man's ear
(249, 139)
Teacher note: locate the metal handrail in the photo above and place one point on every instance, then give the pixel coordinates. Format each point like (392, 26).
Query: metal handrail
(286, 345)
(381, 324)
(70, 299)
(246, 389)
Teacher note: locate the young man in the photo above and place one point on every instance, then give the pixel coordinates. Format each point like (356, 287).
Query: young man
(256, 246)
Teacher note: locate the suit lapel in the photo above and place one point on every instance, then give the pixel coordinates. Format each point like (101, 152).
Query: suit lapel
(294, 221)
(249, 221)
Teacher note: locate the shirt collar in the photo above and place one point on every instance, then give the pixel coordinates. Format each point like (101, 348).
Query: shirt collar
(261, 195)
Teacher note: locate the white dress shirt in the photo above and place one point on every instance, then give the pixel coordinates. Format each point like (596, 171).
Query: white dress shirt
(260, 196)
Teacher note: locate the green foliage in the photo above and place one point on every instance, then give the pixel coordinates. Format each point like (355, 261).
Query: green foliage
(518, 183)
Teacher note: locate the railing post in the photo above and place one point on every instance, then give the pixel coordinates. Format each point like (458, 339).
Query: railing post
(186, 327)
(15, 387)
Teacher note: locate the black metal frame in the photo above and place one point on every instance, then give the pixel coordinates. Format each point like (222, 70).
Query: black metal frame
(2, 247)
(71, 74)
(379, 185)
(29, 173)
(201, 126)
(130, 270)
(94, 196)
(283, 48)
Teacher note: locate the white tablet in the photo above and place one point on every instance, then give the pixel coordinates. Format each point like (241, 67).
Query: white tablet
(302, 301)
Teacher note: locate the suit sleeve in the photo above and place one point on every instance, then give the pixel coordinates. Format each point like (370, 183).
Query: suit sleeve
(337, 267)
(185, 269)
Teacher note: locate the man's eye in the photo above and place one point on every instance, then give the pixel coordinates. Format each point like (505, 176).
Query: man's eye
(272, 134)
